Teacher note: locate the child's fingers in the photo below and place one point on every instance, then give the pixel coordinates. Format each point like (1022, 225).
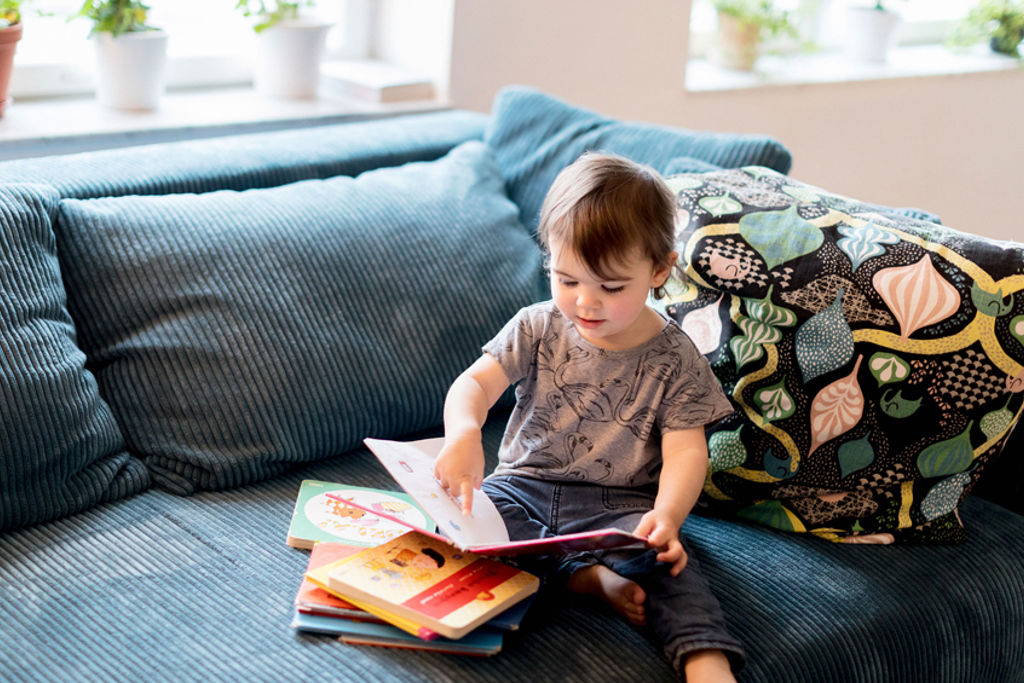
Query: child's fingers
(645, 527)
(466, 494)
(674, 555)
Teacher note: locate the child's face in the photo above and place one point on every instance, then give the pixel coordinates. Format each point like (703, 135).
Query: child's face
(612, 314)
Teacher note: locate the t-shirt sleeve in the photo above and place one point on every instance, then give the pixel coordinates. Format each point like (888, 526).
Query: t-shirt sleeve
(695, 398)
(514, 346)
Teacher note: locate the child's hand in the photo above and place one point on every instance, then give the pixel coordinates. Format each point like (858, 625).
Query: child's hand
(459, 468)
(662, 532)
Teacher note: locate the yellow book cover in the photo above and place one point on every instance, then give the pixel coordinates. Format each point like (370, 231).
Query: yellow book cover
(431, 583)
(318, 577)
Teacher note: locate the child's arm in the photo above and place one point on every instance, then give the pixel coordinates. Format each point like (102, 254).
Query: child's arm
(460, 464)
(684, 467)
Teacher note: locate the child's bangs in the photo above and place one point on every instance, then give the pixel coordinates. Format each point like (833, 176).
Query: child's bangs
(605, 237)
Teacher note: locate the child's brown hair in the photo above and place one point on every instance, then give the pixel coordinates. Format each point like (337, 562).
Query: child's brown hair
(604, 207)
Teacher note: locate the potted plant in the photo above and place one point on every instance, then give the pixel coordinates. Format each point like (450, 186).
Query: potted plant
(10, 34)
(1000, 22)
(289, 47)
(871, 31)
(742, 26)
(131, 55)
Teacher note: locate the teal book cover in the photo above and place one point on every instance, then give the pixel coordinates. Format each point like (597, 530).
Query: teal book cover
(319, 517)
(483, 641)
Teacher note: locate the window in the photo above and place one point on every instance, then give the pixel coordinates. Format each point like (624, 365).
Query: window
(820, 22)
(209, 43)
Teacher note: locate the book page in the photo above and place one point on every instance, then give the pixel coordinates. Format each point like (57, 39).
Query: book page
(411, 463)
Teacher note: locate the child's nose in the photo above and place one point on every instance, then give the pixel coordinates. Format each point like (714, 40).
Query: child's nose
(587, 299)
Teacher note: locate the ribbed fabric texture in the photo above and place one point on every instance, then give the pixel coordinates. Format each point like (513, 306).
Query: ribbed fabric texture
(250, 161)
(810, 611)
(60, 449)
(237, 334)
(534, 136)
(165, 588)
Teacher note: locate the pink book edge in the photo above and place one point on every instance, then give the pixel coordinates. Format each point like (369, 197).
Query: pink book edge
(592, 540)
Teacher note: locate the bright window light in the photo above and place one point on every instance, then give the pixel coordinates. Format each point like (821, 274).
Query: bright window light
(210, 43)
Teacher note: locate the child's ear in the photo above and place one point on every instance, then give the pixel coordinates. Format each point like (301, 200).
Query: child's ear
(662, 272)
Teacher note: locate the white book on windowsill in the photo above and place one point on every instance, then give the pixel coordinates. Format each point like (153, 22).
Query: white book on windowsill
(375, 81)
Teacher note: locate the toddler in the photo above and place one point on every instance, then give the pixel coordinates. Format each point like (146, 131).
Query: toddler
(611, 403)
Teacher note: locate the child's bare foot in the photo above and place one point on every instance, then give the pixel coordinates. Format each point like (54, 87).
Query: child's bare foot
(708, 665)
(624, 596)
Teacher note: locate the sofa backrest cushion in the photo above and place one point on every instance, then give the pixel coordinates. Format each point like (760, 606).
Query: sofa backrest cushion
(60, 448)
(236, 334)
(535, 135)
(242, 162)
(876, 362)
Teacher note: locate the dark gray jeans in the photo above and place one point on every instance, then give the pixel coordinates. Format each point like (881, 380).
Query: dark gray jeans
(682, 612)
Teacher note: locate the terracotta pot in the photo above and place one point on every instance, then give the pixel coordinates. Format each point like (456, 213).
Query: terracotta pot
(9, 38)
(738, 44)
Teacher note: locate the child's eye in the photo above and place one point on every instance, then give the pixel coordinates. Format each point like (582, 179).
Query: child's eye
(567, 283)
(613, 290)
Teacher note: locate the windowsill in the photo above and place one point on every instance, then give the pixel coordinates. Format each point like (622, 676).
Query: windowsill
(833, 67)
(65, 125)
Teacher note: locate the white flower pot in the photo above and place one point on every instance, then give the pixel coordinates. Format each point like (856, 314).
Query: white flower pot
(870, 33)
(288, 58)
(130, 69)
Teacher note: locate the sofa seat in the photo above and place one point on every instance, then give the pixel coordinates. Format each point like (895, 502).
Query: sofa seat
(163, 587)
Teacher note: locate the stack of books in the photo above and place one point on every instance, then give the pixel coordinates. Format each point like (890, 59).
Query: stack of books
(380, 573)
(371, 581)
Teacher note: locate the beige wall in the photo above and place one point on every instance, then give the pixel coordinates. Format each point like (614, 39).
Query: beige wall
(949, 144)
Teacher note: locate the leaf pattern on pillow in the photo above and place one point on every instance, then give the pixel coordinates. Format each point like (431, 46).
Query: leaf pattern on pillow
(876, 361)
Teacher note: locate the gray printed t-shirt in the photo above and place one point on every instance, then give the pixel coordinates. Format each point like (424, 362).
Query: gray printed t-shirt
(584, 413)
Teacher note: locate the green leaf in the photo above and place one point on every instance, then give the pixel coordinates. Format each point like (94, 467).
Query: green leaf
(855, 455)
(944, 496)
(780, 236)
(825, 341)
(775, 402)
(770, 513)
(765, 311)
(888, 367)
(894, 405)
(947, 457)
(726, 450)
(989, 303)
(996, 422)
(720, 205)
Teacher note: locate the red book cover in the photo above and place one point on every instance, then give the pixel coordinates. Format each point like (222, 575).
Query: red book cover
(431, 583)
(312, 599)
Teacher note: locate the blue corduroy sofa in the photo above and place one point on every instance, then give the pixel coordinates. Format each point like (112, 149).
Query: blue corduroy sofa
(191, 329)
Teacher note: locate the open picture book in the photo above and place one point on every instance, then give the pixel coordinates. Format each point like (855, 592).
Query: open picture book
(483, 531)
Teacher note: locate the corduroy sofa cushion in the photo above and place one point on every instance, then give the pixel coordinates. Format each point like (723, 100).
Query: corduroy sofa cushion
(265, 159)
(60, 448)
(535, 135)
(237, 334)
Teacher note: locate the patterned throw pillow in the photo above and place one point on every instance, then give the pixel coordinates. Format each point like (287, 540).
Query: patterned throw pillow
(876, 362)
